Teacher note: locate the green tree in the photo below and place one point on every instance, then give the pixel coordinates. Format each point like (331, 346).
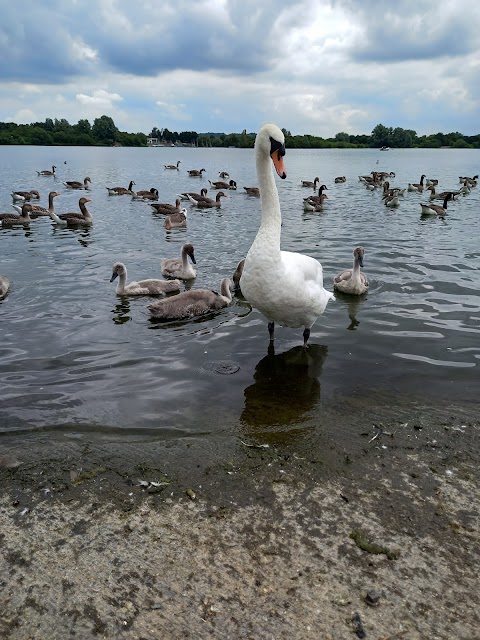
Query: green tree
(104, 130)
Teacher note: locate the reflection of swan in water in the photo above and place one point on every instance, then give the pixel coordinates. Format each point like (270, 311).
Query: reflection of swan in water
(121, 311)
(352, 304)
(286, 388)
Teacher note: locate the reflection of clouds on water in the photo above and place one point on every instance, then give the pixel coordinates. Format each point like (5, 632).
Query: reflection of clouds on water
(121, 311)
(286, 388)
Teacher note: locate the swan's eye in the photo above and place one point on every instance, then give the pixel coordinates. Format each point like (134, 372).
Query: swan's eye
(277, 146)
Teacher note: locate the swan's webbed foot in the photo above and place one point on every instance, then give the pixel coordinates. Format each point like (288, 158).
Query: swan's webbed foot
(306, 336)
(271, 329)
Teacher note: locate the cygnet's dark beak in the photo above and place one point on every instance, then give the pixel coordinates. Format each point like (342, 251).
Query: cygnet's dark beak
(114, 275)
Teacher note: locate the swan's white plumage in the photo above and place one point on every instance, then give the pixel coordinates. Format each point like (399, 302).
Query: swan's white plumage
(285, 287)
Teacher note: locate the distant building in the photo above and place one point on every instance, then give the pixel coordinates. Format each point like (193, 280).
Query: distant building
(152, 142)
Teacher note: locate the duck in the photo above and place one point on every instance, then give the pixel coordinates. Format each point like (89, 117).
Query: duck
(25, 196)
(197, 196)
(195, 172)
(318, 199)
(435, 209)
(37, 210)
(152, 194)
(192, 303)
(176, 220)
(237, 274)
(252, 191)
(417, 186)
(121, 191)
(46, 172)
(165, 207)
(224, 185)
(309, 183)
(13, 218)
(74, 219)
(353, 281)
(173, 166)
(152, 287)
(208, 203)
(285, 287)
(4, 286)
(76, 184)
(224, 175)
(180, 267)
(340, 179)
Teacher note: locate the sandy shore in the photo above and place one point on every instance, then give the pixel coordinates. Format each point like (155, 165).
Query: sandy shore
(306, 538)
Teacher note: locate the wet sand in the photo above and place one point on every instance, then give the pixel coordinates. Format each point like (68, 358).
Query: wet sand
(361, 522)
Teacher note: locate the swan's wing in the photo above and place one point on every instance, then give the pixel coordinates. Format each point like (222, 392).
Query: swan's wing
(302, 268)
(344, 275)
(364, 279)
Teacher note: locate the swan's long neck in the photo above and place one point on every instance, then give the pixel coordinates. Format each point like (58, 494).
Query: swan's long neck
(122, 281)
(225, 290)
(270, 226)
(184, 261)
(356, 269)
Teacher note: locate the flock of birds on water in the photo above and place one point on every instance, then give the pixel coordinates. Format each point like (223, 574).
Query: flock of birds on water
(286, 287)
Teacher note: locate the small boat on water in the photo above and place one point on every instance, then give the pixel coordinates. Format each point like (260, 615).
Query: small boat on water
(384, 148)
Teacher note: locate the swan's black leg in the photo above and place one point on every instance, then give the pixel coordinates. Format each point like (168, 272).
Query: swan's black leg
(271, 329)
(306, 335)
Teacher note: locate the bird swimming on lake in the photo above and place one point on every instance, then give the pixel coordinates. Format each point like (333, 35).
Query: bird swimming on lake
(4, 286)
(37, 210)
(74, 219)
(12, 218)
(46, 172)
(172, 166)
(192, 303)
(76, 184)
(353, 281)
(151, 287)
(121, 191)
(180, 267)
(176, 220)
(208, 203)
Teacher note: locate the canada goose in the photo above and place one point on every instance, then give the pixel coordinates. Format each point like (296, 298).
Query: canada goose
(165, 207)
(38, 211)
(180, 267)
(208, 203)
(252, 191)
(25, 196)
(4, 286)
(340, 179)
(13, 218)
(224, 185)
(192, 303)
(308, 205)
(45, 172)
(152, 194)
(224, 175)
(197, 196)
(416, 186)
(320, 198)
(431, 181)
(441, 196)
(391, 200)
(173, 166)
(121, 191)
(466, 179)
(74, 219)
(176, 220)
(75, 184)
(152, 287)
(435, 209)
(285, 287)
(195, 172)
(309, 183)
(237, 274)
(353, 281)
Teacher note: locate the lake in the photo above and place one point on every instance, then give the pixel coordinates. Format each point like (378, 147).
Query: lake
(75, 356)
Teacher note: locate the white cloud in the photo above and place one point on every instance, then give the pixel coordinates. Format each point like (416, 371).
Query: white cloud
(100, 99)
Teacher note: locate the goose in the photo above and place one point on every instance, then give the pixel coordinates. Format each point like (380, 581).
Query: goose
(13, 218)
(441, 196)
(37, 210)
(165, 207)
(45, 172)
(208, 203)
(76, 184)
(180, 267)
(121, 191)
(197, 196)
(24, 196)
(237, 274)
(285, 287)
(340, 179)
(431, 181)
(152, 287)
(192, 303)
(173, 166)
(391, 200)
(435, 209)
(252, 191)
(223, 185)
(417, 186)
(176, 220)
(195, 172)
(308, 205)
(352, 281)
(224, 175)
(467, 179)
(74, 219)
(4, 286)
(394, 191)
(152, 194)
(320, 198)
(309, 183)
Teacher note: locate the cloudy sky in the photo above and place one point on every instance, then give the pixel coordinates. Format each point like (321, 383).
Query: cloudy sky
(311, 66)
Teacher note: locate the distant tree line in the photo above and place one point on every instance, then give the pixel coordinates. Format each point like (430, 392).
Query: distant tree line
(104, 132)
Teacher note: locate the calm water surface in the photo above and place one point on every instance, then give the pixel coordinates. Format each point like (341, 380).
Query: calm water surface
(74, 354)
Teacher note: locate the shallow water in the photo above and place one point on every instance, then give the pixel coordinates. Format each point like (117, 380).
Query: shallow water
(75, 355)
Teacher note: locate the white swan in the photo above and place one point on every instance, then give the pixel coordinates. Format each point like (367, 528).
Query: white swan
(152, 287)
(180, 267)
(353, 281)
(286, 287)
(192, 303)
(4, 286)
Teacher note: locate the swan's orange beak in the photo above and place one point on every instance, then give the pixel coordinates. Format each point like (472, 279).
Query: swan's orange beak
(278, 163)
